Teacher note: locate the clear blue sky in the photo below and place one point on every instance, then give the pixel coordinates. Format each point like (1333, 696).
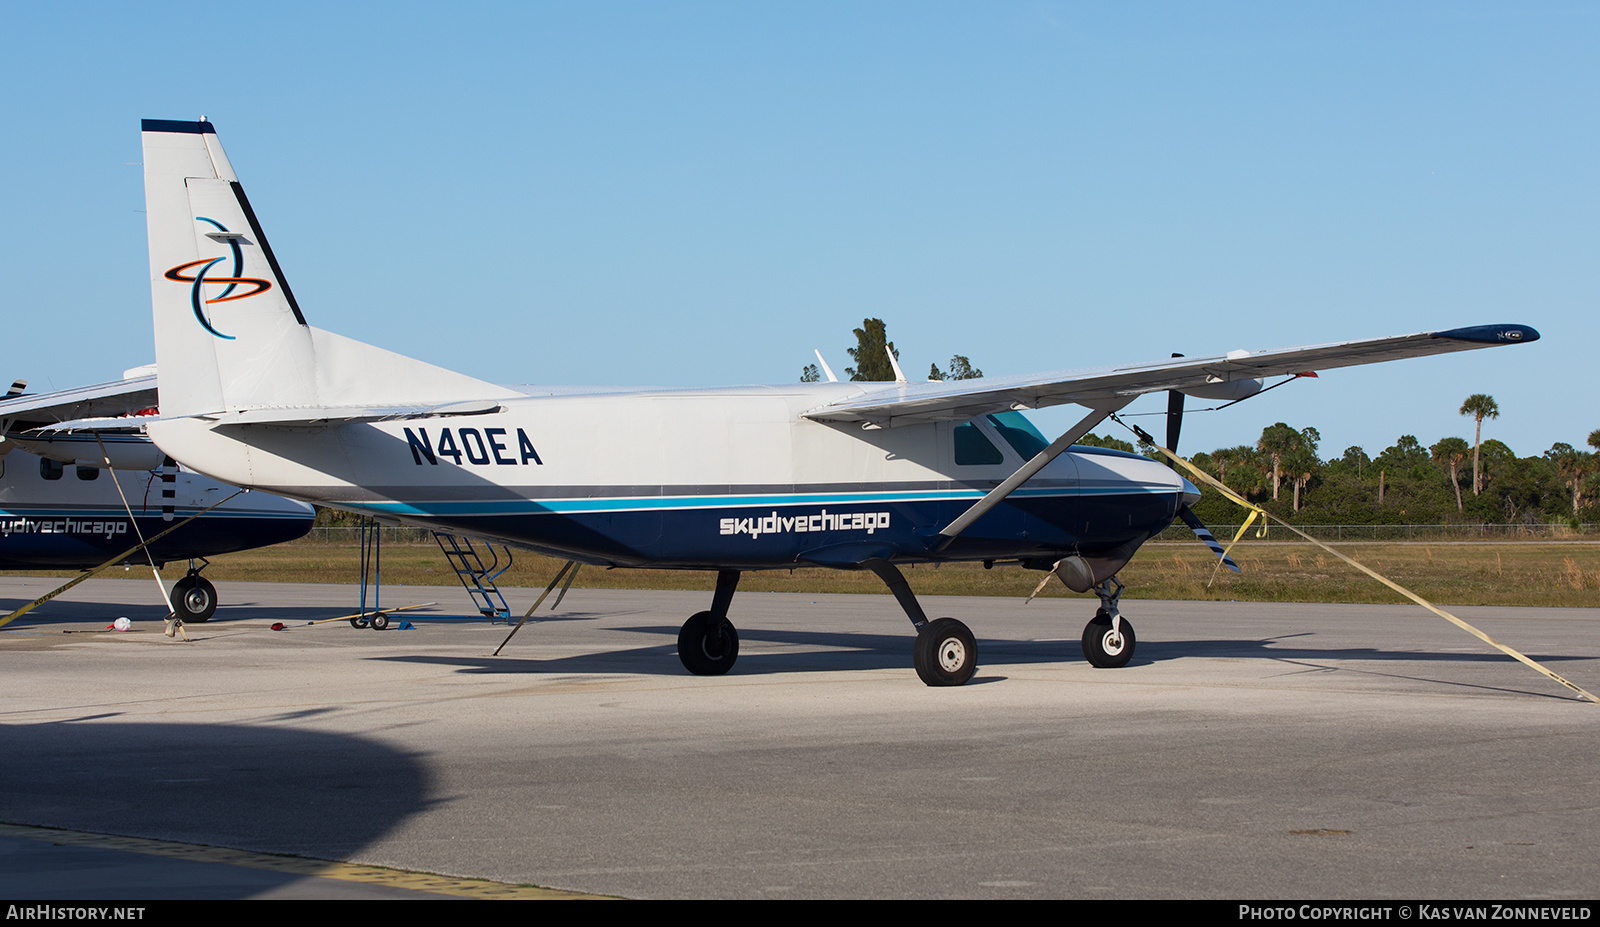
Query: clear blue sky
(700, 193)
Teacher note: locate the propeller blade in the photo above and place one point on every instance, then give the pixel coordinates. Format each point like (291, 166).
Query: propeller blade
(1206, 537)
(1174, 426)
(1174, 416)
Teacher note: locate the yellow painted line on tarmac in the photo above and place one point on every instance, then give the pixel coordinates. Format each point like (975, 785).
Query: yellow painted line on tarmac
(298, 865)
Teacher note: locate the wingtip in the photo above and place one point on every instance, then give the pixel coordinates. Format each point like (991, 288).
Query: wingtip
(1492, 334)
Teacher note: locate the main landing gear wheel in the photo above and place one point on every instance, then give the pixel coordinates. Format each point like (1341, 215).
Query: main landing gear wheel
(1105, 649)
(708, 645)
(194, 598)
(945, 653)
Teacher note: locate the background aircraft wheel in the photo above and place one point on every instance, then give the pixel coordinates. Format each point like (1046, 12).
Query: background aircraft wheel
(378, 621)
(707, 645)
(358, 622)
(194, 598)
(1101, 649)
(945, 653)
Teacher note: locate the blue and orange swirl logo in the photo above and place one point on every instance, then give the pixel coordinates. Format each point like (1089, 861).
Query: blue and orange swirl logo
(200, 278)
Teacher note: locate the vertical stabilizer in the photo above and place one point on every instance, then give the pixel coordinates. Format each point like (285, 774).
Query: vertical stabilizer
(228, 332)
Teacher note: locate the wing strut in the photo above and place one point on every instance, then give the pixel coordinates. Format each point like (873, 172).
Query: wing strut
(1026, 472)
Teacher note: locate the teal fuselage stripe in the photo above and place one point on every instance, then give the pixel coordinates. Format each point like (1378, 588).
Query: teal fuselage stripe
(634, 503)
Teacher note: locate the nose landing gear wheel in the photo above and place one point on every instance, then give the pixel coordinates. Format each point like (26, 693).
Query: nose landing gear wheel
(1104, 649)
(708, 645)
(194, 598)
(945, 653)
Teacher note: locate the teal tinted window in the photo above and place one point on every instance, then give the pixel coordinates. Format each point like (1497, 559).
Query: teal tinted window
(973, 449)
(1019, 433)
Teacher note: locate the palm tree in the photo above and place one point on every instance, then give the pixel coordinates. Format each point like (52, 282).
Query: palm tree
(1277, 440)
(1480, 406)
(1450, 452)
(1573, 465)
(1356, 456)
(1302, 465)
(1279, 443)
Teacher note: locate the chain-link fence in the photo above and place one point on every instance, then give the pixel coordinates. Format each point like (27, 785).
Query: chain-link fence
(1558, 532)
(342, 534)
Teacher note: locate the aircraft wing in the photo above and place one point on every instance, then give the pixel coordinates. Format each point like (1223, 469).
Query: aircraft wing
(1110, 387)
(103, 400)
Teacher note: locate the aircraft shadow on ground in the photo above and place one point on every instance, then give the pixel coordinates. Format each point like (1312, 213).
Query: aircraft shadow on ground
(843, 652)
(814, 651)
(274, 789)
(62, 612)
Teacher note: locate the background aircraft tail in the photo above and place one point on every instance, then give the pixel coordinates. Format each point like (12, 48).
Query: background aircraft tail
(229, 333)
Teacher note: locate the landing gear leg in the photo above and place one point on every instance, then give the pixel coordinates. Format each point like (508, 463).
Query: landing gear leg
(945, 652)
(193, 597)
(1108, 639)
(707, 643)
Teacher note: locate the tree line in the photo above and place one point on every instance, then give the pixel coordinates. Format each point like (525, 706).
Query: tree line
(1452, 481)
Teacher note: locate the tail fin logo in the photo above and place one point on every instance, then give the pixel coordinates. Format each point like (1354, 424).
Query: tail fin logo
(199, 280)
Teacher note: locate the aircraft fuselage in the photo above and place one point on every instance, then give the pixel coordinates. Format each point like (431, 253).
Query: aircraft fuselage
(700, 479)
(55, 516)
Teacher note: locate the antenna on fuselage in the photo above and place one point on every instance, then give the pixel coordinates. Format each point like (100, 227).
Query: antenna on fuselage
(825, 368)
(899, 375)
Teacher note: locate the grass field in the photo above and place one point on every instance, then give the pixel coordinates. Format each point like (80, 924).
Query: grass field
(1448, 573)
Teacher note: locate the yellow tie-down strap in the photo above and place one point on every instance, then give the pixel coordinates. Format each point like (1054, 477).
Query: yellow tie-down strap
(1256, 511)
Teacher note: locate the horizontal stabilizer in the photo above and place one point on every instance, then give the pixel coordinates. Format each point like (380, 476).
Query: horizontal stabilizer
(291, 417)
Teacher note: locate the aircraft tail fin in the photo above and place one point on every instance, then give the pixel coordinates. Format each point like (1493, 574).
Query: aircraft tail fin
(218, 296)
(230, 335)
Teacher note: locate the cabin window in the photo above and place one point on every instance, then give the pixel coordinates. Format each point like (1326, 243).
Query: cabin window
(88, 474)
(973, 449)
(50, 469)
(1019, 433)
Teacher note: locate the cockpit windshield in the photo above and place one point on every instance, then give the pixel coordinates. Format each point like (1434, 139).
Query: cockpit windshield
(1019, 433)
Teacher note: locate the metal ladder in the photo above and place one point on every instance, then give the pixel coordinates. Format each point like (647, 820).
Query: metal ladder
(475, 577)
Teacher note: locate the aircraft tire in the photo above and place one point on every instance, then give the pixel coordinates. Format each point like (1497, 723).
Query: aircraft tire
(708, 646)
(945, 653)
(194, 599)
(1101, 650)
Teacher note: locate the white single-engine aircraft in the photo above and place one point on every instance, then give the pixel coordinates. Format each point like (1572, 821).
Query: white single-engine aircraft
(846, 475)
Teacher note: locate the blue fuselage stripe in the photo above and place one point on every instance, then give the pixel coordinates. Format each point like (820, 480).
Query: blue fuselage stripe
(690, 503)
